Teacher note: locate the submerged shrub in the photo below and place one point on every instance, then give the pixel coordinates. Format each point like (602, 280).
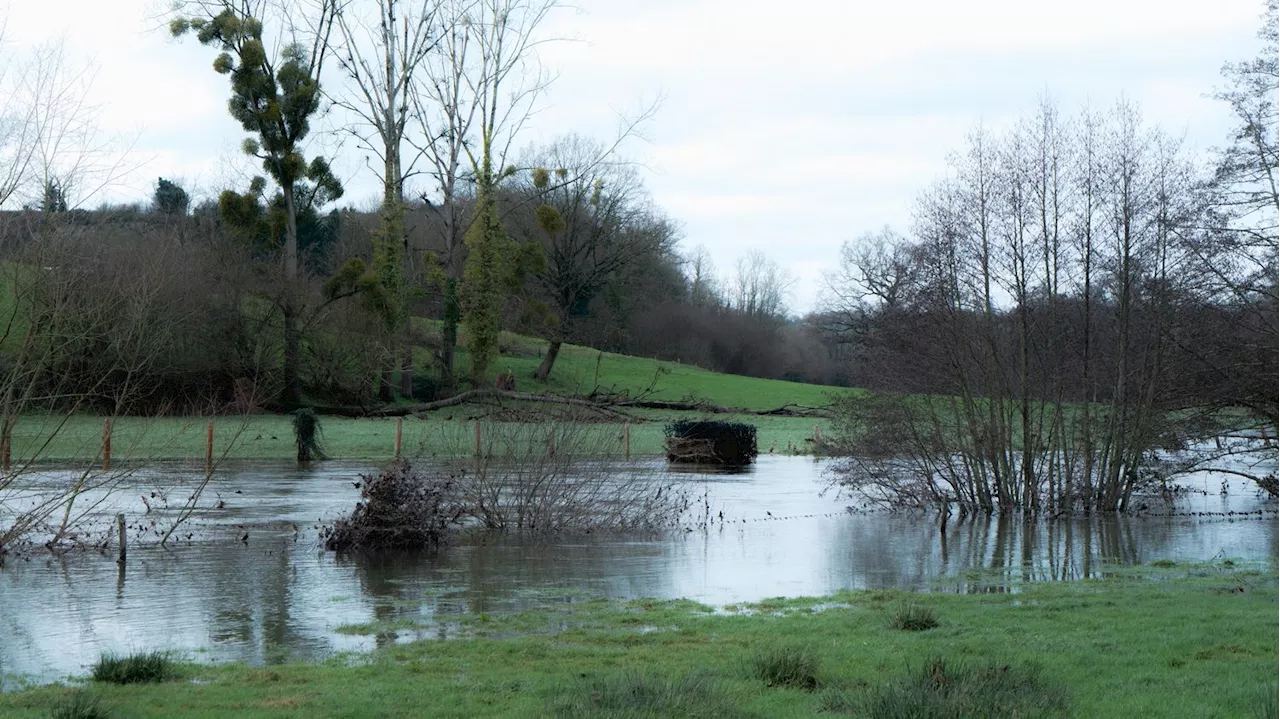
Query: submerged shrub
(138, 668)
(647, 696)
(943, 690)
(399, 508)
(730, 443)
(80, 705)
(913, 618)
(787, 667)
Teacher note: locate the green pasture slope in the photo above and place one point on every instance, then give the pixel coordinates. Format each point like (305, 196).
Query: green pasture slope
(1166, 641)
(446, 431)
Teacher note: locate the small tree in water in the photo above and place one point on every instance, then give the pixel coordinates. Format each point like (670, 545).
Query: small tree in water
(306, 430)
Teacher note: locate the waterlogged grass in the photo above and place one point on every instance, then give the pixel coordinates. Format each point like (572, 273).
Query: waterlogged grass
(1149, 642)
(136, 668)
(445, 433)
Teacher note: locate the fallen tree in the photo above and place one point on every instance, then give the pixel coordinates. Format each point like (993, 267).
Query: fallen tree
(614, 406)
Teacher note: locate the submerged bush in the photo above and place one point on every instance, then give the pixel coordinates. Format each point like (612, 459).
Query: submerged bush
(787, 667)
(647, 696)
(731, 443)
(80, 705)
(561, 478)
(399, 508)
(138, 668)
(943, 690)
(913, 618)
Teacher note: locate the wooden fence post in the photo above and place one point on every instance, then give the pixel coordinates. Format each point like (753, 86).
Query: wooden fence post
(121, 538)
(551, 443)
(208, 449)
(476, 430)
(399, 434)
(6, 443)
(106, 445)
(626, 441)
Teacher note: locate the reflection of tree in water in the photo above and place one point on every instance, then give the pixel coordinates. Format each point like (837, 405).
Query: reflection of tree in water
(500, 574)
(252, 593)
(918, 551)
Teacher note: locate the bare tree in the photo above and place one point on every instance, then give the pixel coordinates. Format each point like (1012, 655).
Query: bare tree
(380, 53)
(476, 93)
(760, 286)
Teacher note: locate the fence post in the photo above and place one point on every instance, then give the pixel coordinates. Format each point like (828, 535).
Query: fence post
(626, 441)
(208, 449)
(6, 443)
(399, 434)
(120, 536)
(106, 445)
(551, 443)
(476, 430)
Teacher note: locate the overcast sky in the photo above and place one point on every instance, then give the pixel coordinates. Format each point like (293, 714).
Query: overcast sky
(785, 127)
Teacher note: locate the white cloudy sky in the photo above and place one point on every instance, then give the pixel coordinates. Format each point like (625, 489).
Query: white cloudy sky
(785, 127)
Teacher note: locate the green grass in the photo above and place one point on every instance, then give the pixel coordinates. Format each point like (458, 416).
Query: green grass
(443, 433)
(136, 668)
(579, 370)
(913, 618)
(81, 704)
(1149, 642)
(786, 667)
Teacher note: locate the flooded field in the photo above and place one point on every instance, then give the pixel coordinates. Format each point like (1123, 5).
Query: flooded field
(259, 587)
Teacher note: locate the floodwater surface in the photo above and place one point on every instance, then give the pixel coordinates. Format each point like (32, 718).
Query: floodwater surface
(265, 591)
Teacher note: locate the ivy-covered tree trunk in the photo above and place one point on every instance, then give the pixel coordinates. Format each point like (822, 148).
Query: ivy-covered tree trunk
(291, 395)
(484, 275)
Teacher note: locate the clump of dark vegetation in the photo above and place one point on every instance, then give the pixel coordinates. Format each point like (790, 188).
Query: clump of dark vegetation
(80, 705)
(913, 618)
(944, 690)
(644, 696)
(1164, 563)
(306, 430)
(787, 668)
(1265, 706)
(399, 508)
(137, 668)
(711, 442)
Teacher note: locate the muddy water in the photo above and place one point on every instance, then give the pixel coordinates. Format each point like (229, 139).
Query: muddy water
(275, 594)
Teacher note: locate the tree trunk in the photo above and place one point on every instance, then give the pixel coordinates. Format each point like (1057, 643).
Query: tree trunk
(291, 395)
(386, 383)
(544, 369)
(449, 331)
(406, 366)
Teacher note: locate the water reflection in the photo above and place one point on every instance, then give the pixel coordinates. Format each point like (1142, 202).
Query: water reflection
(773, 533)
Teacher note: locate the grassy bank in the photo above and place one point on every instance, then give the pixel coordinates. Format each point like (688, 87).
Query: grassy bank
(447, 432)
(1153, 642)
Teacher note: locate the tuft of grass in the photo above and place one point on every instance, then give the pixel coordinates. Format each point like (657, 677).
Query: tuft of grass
(645, 696)
(786, 667)
(913, 618)
(137, 668)
(1267, 703)
(1164, 563)
(945, 690)
(80, 705)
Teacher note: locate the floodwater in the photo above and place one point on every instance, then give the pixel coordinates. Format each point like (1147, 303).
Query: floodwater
(267, 592)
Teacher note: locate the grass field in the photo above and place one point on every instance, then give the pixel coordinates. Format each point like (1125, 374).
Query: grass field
(1168, 641)
(447, 432)
(577, 372)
